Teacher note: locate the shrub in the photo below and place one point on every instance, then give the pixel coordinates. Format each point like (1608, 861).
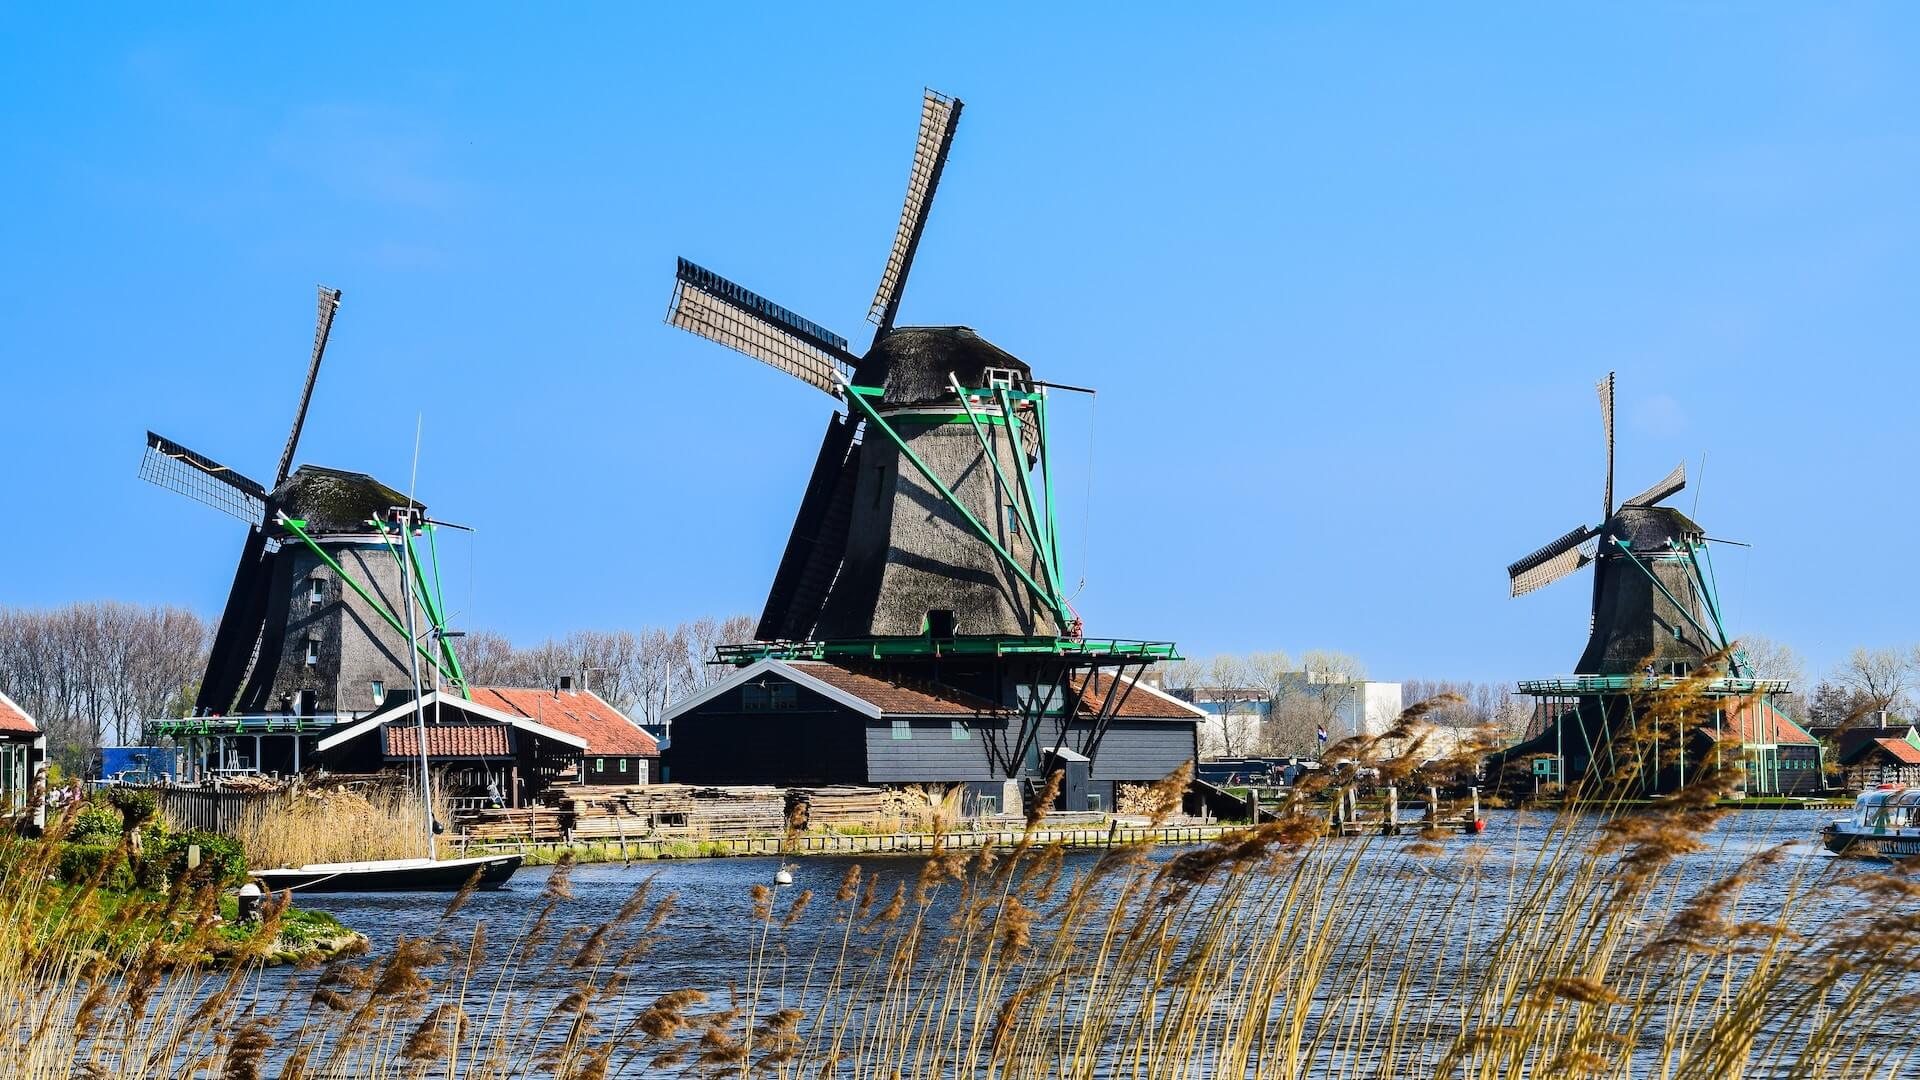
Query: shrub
(136, 805)
(220, 856)
(95, 824)
(80, 863)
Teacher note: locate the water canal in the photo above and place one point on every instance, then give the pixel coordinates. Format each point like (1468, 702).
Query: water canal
(1461, 894)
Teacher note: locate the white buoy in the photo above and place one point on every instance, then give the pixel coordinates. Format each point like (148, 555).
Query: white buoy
(783, 876)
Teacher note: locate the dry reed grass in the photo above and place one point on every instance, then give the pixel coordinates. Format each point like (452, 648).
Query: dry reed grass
(1626, 945)
(325, 823)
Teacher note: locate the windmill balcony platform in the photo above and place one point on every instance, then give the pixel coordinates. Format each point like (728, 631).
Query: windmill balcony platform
(1567, 685)
(1094, 650)
(263, 724)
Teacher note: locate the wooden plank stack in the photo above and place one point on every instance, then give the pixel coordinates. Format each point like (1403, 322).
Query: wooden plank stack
(676, 811)
(536, 824)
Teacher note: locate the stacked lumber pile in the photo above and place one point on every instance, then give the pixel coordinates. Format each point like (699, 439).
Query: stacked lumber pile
(672, 811)
(538, 824)
(842, 806)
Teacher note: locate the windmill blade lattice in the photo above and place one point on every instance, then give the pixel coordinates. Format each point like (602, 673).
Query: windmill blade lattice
(1605, 389)
(709, 305)
(198, 477)
(322, 329)
(1552, 562)
(939, 117)
(1671, 485)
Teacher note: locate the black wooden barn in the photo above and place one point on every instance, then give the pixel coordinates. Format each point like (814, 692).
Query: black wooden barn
(809, 722)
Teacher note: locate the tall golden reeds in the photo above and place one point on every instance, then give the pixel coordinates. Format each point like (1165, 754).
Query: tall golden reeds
(1625, 942)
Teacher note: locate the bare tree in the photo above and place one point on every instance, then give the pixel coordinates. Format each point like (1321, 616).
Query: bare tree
(93, 673)
(1879, 677)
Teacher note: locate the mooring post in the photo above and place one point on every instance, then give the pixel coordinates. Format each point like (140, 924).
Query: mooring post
(1391, 826)
(1476, 804)
(1433, 806)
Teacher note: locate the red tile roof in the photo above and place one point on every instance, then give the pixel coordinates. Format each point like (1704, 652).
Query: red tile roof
(448, 740)
(14, 718)
(576, 712)
(1902, 750)
(1136, 701)
(1759, 722)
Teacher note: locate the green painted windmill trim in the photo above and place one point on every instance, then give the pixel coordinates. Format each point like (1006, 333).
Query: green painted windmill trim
(1043, 541)
(440, 598)
(451, 669)
(873, 416)
(1677, 605)
(294, 525)
(1736, 657)
(1046, 477)
(437, 619)
(1023, 512)
(1713, 579)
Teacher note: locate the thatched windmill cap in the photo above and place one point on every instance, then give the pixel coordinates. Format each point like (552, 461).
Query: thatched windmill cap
(919, 360)
(335, 500)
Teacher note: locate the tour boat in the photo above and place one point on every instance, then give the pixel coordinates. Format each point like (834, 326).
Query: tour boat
(392, 875)
(1885, 824)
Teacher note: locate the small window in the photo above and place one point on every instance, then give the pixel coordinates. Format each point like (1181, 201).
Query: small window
(960, 732)
(316, 591)
(623, 764)
(759, 697)
(313, 651)
(379, 692)
(599, 764)
(903, 729)
(1093, 801)
(989, 805)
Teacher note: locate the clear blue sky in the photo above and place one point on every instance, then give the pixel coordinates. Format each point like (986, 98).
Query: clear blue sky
(1343, 274)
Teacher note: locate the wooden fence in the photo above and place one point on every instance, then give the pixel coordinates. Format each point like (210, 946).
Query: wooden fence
(223, 812)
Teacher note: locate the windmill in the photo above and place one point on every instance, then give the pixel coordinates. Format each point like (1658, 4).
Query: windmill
(1655, 619)
(922, 513)
(1651, 604)
(307, 575)
(924, 551)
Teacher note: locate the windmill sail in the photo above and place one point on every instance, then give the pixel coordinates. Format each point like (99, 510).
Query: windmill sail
(1552, 562)
(818, 544)
(1671, 485)
(939, 117)
(709, 305)
(1605, 389)
(202, 479)
(323, 327)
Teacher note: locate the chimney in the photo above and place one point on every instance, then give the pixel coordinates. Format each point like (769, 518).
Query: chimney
(566, 683)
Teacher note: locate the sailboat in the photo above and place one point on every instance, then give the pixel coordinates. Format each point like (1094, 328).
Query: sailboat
(431, 873)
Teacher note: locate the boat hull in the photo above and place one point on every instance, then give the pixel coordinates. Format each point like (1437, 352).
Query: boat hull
(1863, 845)
(405, 875)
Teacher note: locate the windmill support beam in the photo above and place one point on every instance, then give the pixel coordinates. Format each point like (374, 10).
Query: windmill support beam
(1043, 545)
(378, 608)
(858, 396)
(1021, 498)
(451, 668)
